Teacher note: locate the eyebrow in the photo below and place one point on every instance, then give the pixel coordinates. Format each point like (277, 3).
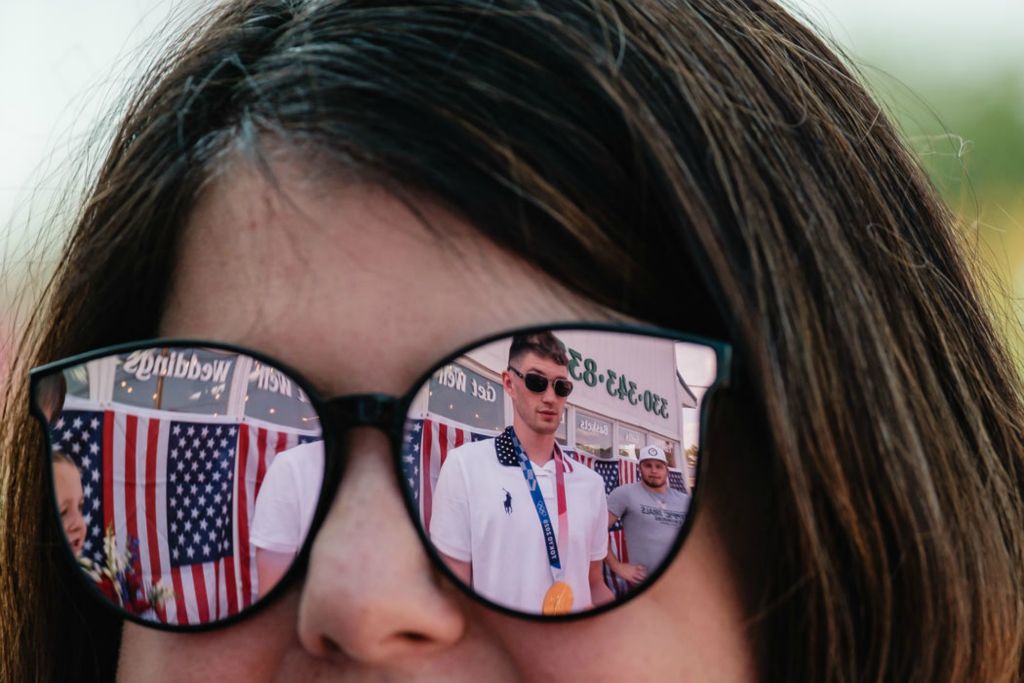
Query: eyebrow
(537, 371)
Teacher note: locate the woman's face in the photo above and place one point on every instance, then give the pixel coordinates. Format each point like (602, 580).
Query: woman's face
(70, 502)
(342, 282)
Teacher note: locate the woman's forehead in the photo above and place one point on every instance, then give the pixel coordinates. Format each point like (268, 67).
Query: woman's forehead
(353, 278)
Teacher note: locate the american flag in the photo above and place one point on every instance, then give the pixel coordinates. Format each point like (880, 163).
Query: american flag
(677, 480)
(184, 491)
(426, 446)
(200, 529)
(615, 472)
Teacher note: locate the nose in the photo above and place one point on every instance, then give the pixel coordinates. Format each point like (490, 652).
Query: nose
(77, 522)
(370, 592)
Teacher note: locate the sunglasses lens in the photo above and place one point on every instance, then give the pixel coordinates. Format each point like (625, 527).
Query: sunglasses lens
(627, 442)
(185, 478)
(563, 387)
(536, 383)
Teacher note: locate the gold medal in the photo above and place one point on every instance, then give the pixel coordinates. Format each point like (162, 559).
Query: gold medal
(558, 599)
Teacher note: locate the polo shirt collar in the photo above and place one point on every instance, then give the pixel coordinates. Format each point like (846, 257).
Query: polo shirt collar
(506, 451)
(504, 448)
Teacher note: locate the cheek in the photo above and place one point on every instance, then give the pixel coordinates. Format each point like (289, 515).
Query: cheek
(690, 625)
(635, 643)
(257, 645)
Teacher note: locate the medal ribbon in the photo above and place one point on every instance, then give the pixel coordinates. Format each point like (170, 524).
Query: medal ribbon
(550, 542)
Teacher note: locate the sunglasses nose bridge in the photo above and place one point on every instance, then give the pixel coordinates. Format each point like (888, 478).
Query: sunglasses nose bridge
(549, 392)
(362, 410)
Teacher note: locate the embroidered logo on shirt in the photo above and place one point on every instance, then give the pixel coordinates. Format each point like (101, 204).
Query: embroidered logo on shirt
(508, 502)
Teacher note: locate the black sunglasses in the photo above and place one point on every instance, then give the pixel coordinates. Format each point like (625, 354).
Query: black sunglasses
(538, 383)
(175, 463)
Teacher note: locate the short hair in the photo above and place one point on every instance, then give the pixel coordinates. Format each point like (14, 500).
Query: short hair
(544, 344)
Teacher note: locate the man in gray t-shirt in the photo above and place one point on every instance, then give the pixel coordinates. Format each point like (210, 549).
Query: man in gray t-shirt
(652, 514)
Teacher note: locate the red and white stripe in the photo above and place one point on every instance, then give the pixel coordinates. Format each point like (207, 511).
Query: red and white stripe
(134, 494)
(438, 439)
(135, 502)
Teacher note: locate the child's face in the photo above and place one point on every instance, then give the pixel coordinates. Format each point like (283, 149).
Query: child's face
(70, 501)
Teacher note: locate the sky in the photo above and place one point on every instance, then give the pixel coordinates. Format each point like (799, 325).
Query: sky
(62, 63)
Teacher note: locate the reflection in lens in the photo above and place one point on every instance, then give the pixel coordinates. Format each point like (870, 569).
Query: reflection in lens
(549, 504)
(284, 510)
(185, 477)
(67, 483)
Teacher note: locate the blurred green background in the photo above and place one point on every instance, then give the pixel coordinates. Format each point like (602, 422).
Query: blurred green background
(969, 136)
(951, 75)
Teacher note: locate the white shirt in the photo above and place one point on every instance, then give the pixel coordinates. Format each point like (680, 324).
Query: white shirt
(470, 523)
(287, 498)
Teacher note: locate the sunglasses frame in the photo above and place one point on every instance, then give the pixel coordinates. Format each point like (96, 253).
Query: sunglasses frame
(553, 382)
(387, 413)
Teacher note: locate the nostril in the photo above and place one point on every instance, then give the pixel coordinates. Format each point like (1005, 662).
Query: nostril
(329, 645)
(414, 636)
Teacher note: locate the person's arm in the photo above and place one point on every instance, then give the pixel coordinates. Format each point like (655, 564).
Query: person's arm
(599, 591)
(270, 567)
(450, 531)
(277, 524)
(633, 573)
(462, 570)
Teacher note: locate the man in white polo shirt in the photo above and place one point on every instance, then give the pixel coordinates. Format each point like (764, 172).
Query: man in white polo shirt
(514, 518)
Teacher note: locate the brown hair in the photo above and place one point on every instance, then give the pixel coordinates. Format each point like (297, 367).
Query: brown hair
(616, 144)
(544, 344)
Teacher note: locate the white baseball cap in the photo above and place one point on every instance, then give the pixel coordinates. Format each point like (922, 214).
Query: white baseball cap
(652, 453)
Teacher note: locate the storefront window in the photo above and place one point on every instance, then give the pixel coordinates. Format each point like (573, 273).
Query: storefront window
(630, 442)
(593, 435)
(76, 380)
(465, 396)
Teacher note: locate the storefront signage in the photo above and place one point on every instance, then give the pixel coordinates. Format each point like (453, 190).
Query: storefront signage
(454, 377)
(269, 379)
(460, 394)
(617, 384)
(175, 364)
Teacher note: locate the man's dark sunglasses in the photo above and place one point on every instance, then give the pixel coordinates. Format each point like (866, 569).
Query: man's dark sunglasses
(538, 383)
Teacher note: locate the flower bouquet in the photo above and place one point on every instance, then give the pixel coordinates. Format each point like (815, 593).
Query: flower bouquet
(119, 578)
